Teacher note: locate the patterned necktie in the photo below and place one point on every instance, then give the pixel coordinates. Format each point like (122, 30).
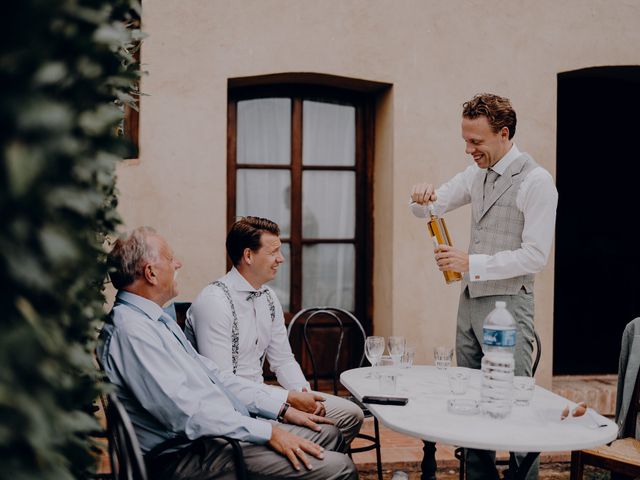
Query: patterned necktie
(489, 183)
(256, 294)
(175, 329)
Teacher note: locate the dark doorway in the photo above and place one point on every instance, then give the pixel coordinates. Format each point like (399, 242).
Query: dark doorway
(597, 257)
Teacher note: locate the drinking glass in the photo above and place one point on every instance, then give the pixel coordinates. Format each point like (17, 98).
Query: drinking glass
(407, 357)
(458, 380)
(442, 357)
(373, 349)
(523, 388)
(396, 348)
(387, 381)
(385, 363)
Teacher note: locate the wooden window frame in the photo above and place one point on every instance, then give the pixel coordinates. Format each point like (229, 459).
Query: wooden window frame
(131, 120)
(363, 168)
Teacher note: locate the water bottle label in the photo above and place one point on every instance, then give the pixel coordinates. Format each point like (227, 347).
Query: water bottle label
(499, 338)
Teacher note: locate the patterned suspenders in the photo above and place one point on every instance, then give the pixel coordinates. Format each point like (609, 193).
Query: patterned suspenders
(235, 335)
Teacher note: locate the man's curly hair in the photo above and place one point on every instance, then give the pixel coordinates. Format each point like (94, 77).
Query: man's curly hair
(498, 111)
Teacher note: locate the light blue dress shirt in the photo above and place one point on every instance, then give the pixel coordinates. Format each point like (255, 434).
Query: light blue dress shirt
(167, 388)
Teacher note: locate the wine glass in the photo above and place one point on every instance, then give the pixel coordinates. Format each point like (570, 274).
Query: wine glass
(396, 349)
(373, 349)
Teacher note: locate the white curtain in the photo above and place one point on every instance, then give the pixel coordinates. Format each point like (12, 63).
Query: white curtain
(329, 133)
(264, 131)
(328, 204)
(264, 137)
(267, 194)
(328, 275)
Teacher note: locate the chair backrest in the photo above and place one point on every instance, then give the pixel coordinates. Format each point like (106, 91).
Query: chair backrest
(536, 359)
(178, 311)
(338, 320)
(124, 451)
(631, 420)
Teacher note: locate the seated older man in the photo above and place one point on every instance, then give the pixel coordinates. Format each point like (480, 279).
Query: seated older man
(169, 390)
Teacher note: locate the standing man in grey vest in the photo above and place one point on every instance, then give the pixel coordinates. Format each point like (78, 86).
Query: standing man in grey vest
(513, 210)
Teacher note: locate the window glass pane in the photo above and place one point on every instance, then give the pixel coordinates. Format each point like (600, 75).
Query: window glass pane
(264, 131)
(265, 193)
(328, 275)
(328, 204)
(281, 284)
(329, 134)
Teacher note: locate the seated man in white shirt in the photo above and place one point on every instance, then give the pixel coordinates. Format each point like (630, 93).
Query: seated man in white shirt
(237, 321)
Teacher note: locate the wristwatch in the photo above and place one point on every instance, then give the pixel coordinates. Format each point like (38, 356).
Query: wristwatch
(283, 410)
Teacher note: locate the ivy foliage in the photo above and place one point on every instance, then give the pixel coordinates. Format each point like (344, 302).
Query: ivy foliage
(65, 65)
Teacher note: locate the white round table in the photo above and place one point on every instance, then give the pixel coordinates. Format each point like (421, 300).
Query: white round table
(534, 428)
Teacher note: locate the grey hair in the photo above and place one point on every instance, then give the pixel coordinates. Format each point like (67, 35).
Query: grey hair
(129, 255)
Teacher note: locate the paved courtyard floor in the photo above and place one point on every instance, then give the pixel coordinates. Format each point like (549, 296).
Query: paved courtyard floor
(401, 452)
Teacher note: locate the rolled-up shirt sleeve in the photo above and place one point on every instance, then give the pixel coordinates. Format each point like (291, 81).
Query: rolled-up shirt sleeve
(259, 398)
(450, 195)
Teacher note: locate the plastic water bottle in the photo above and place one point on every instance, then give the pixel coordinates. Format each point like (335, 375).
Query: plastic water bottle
(499, 343)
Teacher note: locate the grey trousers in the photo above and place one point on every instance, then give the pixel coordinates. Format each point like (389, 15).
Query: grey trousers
(348, 415)
(471, 314)
(209, 458)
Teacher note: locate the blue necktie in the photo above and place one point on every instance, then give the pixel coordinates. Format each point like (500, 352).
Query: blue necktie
(179, 334)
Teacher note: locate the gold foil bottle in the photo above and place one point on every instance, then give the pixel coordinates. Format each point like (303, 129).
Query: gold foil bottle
(440, 235)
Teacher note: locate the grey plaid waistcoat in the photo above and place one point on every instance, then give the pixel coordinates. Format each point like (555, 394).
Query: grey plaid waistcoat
(498, 227)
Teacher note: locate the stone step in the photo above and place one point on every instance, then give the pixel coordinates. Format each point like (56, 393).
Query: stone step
(598, 391)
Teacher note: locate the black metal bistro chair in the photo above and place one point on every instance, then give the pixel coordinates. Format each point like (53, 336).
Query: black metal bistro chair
(460, 453)
(337, 320)
(125, 456)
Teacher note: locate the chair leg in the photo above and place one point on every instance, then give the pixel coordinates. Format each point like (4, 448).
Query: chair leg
(376, 428)
(577, 467)
(461, 454)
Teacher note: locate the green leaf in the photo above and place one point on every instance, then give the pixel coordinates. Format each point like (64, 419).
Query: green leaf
(138, 35)
(57, 245)
(50, 72)
(27, 270)
(81, 201)
(88, 68)
(114, 34)
(23, 165)
(95, 122)
(45, 114)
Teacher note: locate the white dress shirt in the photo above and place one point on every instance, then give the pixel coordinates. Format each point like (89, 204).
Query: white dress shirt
(537, 199)
(210, 320)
